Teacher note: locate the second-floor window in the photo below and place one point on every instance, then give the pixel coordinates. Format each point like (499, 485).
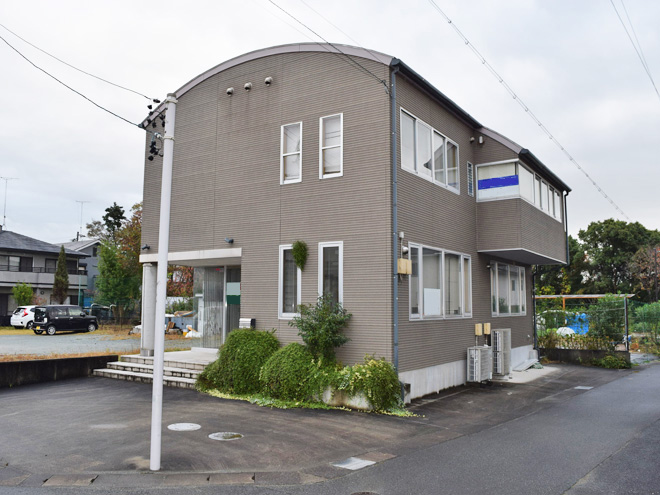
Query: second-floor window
(331, 146)
(427, 153)
(291, 153)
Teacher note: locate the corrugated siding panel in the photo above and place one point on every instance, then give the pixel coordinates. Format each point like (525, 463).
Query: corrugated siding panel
(226, 184)
(434, 216)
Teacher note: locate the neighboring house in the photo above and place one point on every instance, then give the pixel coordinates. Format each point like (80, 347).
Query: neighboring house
(90, 247)
(27, 260)
(361, 158)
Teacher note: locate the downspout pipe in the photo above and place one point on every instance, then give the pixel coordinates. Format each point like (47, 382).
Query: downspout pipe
(395, 225)
(568, 252)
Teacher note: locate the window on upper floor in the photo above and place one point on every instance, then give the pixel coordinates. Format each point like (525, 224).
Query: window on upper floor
(289, 284)
(470, 179)
(440, 283)
(504, 180)
(291, 153)
(427, 153)
(331, 270)
(331, 146)
(507, 287)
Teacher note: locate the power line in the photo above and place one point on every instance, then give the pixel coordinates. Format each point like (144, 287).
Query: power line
(636, 46)
(69, 87)
(72, 66)
(348, 57)
(526, 108)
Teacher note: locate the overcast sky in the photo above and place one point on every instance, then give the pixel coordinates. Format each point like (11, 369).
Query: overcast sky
(571, 62)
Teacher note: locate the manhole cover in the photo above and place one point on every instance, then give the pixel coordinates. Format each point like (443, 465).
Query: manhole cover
(225, 436)
(183, 427)
(353, 463)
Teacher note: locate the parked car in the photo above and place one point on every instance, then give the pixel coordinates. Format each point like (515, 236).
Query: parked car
(23, 317)
(58, 317)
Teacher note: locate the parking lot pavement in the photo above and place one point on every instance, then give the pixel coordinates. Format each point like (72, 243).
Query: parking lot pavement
(74, 343)
(97, 427)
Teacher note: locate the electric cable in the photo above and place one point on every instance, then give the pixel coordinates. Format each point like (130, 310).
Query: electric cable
(72, 89)
(348, 57)
(501, 80)
(74, 67)
(637, 47)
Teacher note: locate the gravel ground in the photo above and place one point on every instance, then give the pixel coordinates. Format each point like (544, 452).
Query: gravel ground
(70, 343)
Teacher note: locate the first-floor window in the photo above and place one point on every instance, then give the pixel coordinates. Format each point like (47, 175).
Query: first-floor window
(507, 285)
(289, 283)
(331, 271)
(440, 283)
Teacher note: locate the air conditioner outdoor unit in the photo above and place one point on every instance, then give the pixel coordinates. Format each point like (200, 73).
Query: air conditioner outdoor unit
(479, 364)
(502, 351)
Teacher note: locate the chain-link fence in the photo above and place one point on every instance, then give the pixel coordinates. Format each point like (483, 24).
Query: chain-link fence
(610, 322)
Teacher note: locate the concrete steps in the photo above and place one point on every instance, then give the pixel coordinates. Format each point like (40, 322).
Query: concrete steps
(176, 373)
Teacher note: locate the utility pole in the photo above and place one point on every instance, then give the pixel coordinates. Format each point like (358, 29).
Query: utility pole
(4, 214)
(79, 234)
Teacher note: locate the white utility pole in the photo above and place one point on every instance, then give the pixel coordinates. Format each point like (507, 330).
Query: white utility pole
(161, 283)
(4, 214)
(82, 203)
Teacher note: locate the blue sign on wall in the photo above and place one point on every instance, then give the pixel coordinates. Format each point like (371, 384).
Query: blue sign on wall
(509, 180)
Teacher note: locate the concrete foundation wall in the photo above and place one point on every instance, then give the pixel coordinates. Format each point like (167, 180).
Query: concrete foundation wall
(15, 373)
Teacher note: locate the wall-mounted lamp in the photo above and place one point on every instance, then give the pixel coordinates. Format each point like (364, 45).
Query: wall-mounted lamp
(229, 240)
(488, 266)
(404, 249)
(248, 86)
(230, 91)
(268, 81)
(145, 247)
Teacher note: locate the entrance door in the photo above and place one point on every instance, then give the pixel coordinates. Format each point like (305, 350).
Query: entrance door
(213, 314)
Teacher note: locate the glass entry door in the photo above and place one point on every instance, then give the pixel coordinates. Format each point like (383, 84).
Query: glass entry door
(211, 317)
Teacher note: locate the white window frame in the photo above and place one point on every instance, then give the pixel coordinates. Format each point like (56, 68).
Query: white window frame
(282, 154)
(340, 146)
(494, 289)
(541, 201)
(416, 166)
(280, 279)
(340, 245)
(420, 281)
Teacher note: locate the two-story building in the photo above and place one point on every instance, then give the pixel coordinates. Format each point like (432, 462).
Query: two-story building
(27, 260)
(89, 247)
(360, 157)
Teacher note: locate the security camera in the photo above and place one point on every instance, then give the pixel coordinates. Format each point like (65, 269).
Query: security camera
(230, 91)
(268, 81)
(248, 86)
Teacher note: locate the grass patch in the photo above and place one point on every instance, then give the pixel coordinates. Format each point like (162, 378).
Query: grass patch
(38, 357)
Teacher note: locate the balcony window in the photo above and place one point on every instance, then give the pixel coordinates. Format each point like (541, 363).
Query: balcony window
(504, 180)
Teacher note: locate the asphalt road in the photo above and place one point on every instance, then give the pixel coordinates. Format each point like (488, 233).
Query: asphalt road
(553, 436)
(73, 343)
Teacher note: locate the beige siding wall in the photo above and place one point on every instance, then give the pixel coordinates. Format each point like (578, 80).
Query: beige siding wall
(434, 216)
(227, 184)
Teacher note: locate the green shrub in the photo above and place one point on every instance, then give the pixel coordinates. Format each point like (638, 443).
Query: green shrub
(376, 378)
(606, 318)
(647, 320)
(291, 374)
(22, 293)
(611, 362)
(320, 326)
(240, 358)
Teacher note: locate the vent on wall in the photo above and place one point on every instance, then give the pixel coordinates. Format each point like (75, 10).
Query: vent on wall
(502, 351)
(479, 364)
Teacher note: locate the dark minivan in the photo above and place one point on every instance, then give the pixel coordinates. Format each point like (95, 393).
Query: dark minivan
(55, 318)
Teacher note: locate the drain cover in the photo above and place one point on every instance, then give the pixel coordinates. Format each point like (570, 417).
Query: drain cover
(183, 427)
(225, 436)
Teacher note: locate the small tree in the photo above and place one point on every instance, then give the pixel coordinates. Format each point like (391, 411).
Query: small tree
(320, 326)
(61, 285)
(22, 294)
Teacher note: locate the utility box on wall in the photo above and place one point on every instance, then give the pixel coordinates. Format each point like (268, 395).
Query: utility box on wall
(404, 266)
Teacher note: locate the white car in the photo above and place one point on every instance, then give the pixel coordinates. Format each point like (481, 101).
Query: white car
(23, 317)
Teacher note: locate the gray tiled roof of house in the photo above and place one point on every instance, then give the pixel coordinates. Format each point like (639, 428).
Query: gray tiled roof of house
(80, 245)
(11, 241)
